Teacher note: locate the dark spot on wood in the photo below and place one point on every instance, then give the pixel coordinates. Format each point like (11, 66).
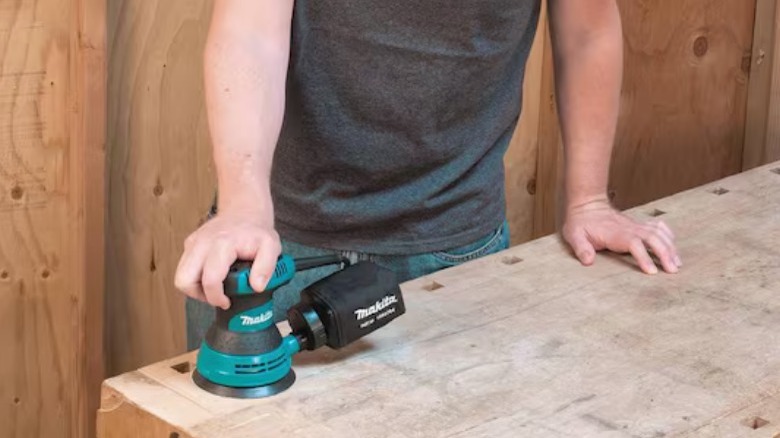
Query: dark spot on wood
(17, 400)
(165, 65)
(158, 189)
(754, 422)
(173, 435)
(719, 191)
(700, 46)
(656, 212)
(51, 83)
(511, 260)
(4, 275)
(531, 186)
(686, 418)
(152, 264)
(183, 367)
(45, 274)
(16, 193)
(473, 345)
(432, 286)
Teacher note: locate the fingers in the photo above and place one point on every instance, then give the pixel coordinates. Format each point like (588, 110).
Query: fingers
(663, 232)
(639, 252)
(215, 269)
(663, 251)
(582, 247)
(189, 270)
(264, 263)
(670, 240)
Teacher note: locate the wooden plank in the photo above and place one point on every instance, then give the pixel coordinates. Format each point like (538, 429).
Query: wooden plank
(762, 133)
(160, 171)
(530, 343)
(52, 95)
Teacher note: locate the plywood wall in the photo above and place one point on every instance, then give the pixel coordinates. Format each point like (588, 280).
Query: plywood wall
(52, 98)
(762, 133)
(159, 171)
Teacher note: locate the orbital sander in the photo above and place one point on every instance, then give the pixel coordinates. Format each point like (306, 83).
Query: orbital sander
(244, 355)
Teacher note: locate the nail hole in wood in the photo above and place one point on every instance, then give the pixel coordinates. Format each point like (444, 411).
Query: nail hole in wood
(17, 400)
(720, 191)
(174, 435)
(656, 212)
(755, 422)
(511, 260)
(776, 170)
(45, 274)
(182, 368)
(16, 193)
(152, 265)
(432, 286)
(4, 275)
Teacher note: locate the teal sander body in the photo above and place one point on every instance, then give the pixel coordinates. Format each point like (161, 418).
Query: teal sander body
(244, 355)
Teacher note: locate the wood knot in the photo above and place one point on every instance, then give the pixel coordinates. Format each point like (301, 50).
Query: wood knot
(17, 193)
(531, 186)
(4, 275)
(700, 46)
(158, 190)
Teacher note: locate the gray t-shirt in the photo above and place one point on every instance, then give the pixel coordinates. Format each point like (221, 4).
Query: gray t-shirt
(398, 115)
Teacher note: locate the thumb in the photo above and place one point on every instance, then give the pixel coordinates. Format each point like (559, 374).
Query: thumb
(582, 247)
(264, 264)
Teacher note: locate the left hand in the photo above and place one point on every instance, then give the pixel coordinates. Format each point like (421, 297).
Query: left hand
(596, 226)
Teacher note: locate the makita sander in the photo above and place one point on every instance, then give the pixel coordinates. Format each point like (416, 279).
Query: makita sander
(244, 355)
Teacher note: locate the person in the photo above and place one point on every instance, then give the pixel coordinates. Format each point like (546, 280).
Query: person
(376, 129)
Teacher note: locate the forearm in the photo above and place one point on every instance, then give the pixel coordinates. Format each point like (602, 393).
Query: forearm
(245, 77)
(588, 70)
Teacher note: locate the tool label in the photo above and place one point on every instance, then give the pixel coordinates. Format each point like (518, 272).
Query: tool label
(375, 308)
(254, 320)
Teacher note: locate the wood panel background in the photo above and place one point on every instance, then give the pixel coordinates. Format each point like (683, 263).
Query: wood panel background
(682, 124)
(52, 99)
(159, 171)
(762, 134)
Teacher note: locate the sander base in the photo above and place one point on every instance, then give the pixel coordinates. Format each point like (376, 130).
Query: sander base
(251, 392)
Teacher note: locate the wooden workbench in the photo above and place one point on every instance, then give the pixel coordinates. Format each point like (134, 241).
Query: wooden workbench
(528, 343)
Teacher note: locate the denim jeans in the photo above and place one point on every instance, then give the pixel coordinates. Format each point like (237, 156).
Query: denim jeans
(407, 267)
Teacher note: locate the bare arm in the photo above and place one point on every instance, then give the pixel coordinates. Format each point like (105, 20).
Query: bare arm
(587, 47)
(245, 68)
(588, 53)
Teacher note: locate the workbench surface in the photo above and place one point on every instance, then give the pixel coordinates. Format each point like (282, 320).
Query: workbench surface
(528, 343)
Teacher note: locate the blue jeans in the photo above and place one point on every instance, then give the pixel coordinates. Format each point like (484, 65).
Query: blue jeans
(407, 267)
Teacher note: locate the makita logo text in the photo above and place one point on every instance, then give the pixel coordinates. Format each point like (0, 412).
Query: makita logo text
(376, 307)
(254, 320)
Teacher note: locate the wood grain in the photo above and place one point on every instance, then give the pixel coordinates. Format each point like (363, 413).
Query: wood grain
(762, 133)
(160, 175)
(521, 157)
(52, 112)
(529, 343)
(682, 120)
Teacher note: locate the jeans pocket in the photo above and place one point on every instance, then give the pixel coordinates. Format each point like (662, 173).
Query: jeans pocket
(496, 241)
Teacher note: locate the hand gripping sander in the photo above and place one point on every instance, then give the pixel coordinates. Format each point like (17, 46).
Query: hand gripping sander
(244, 355)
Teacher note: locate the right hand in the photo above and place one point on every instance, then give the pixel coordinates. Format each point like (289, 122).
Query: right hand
(211, 250)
